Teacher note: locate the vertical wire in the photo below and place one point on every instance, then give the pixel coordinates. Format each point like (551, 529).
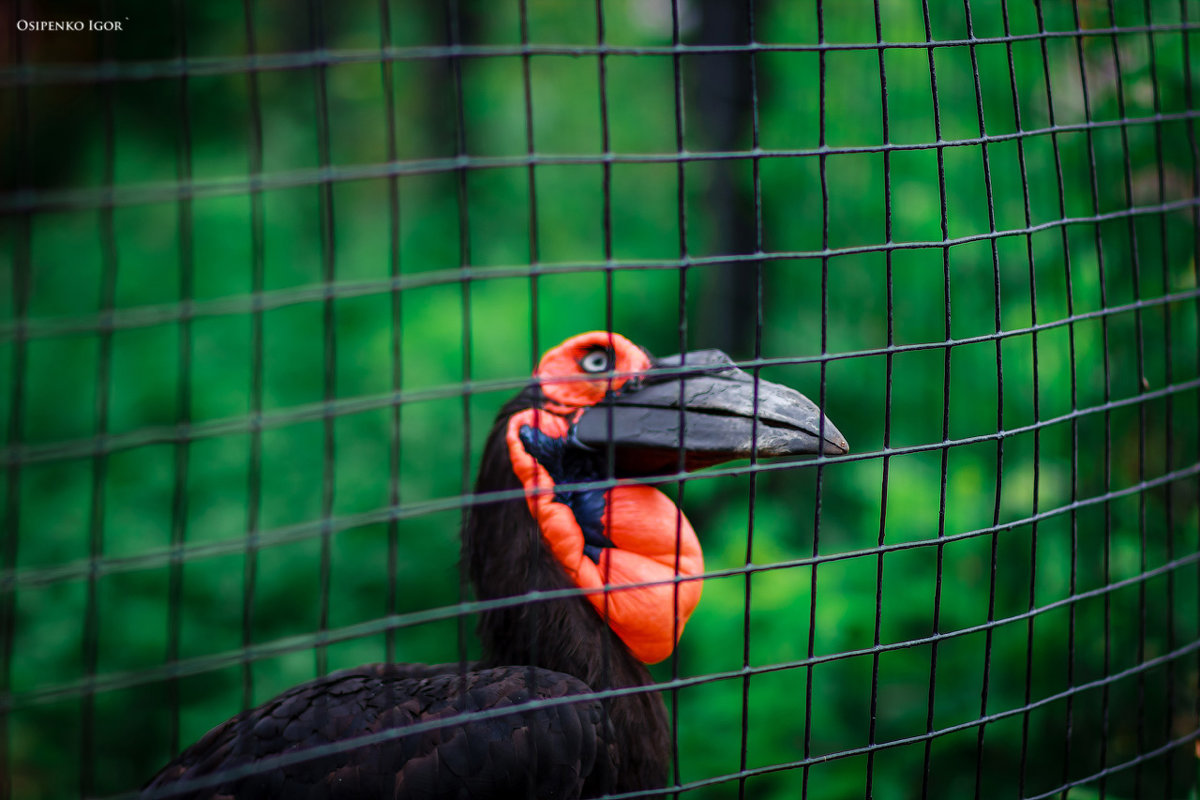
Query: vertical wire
(531, 184)
(257, 266)
(681, 222)
(534, 617)
(391, 603)
(316, 19)
(1107, 395)
(183, 412)
(606, 237)
(756, 179)
(606, 234)
(991, 207)
(10, 542)
(107, 299)
(1073, 581)
(1169, 401)
(454, 36)
(395, 308)
(1194, 147)
(606, 172)
(944, 221)
(610, 451)
(1140, 381)
(607, 245)
(812, 587)
(887, 404)
(1037, 407)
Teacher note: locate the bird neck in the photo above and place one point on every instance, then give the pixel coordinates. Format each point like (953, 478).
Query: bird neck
(507, 557)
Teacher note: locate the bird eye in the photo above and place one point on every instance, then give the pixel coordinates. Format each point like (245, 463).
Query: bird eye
(595, 361)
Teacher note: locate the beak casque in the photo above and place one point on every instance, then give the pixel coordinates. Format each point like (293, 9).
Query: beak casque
(705, 406)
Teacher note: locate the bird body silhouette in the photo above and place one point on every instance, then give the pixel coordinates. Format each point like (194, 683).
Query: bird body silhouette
(593, 577)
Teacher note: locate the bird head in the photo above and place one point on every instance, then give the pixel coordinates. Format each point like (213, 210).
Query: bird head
(602, 408)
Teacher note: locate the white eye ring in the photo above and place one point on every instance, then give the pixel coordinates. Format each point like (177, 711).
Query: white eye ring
(595, 361)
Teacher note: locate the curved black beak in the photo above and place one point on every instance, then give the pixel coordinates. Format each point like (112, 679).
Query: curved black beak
(725, 415)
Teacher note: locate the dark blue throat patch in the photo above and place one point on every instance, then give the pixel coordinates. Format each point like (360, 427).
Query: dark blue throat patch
(568, 465)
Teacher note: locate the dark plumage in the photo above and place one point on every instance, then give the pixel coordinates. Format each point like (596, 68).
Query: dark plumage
(476, 731)
(566, 751)
(492, 756)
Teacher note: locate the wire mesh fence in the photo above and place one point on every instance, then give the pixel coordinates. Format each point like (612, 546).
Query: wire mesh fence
(272, 270)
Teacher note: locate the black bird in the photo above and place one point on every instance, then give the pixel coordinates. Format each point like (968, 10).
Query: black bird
(478, 734)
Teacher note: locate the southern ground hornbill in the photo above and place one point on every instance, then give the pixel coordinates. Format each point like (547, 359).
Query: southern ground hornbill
(471, 730)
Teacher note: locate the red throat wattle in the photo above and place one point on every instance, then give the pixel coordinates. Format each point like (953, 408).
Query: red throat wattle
(651, 541)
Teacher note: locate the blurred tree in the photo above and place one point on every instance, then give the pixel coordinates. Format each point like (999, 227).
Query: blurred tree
(724, 87)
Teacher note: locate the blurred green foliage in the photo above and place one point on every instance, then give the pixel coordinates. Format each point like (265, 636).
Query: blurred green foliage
(1048, 518)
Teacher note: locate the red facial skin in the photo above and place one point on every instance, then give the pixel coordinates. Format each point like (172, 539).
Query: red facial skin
(654, 542)
(567, 387)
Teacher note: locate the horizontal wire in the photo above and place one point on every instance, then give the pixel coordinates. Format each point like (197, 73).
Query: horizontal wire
(25, 329)
(21, 454)
(115, 71)
(34, 576)
(124, 195)
(274, 762)
(1140, 758)
(89, 446)
(1133, 671)
(300, 642)
(1075, 505)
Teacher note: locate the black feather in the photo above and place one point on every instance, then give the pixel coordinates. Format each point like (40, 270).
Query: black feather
(582, 748)
(466, 759)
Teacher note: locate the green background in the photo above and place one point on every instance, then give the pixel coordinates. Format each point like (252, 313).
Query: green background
(187, 447)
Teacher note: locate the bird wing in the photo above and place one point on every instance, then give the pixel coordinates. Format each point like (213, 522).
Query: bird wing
(543, 751)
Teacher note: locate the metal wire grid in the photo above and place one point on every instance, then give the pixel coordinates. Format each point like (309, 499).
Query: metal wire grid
(26, 202)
